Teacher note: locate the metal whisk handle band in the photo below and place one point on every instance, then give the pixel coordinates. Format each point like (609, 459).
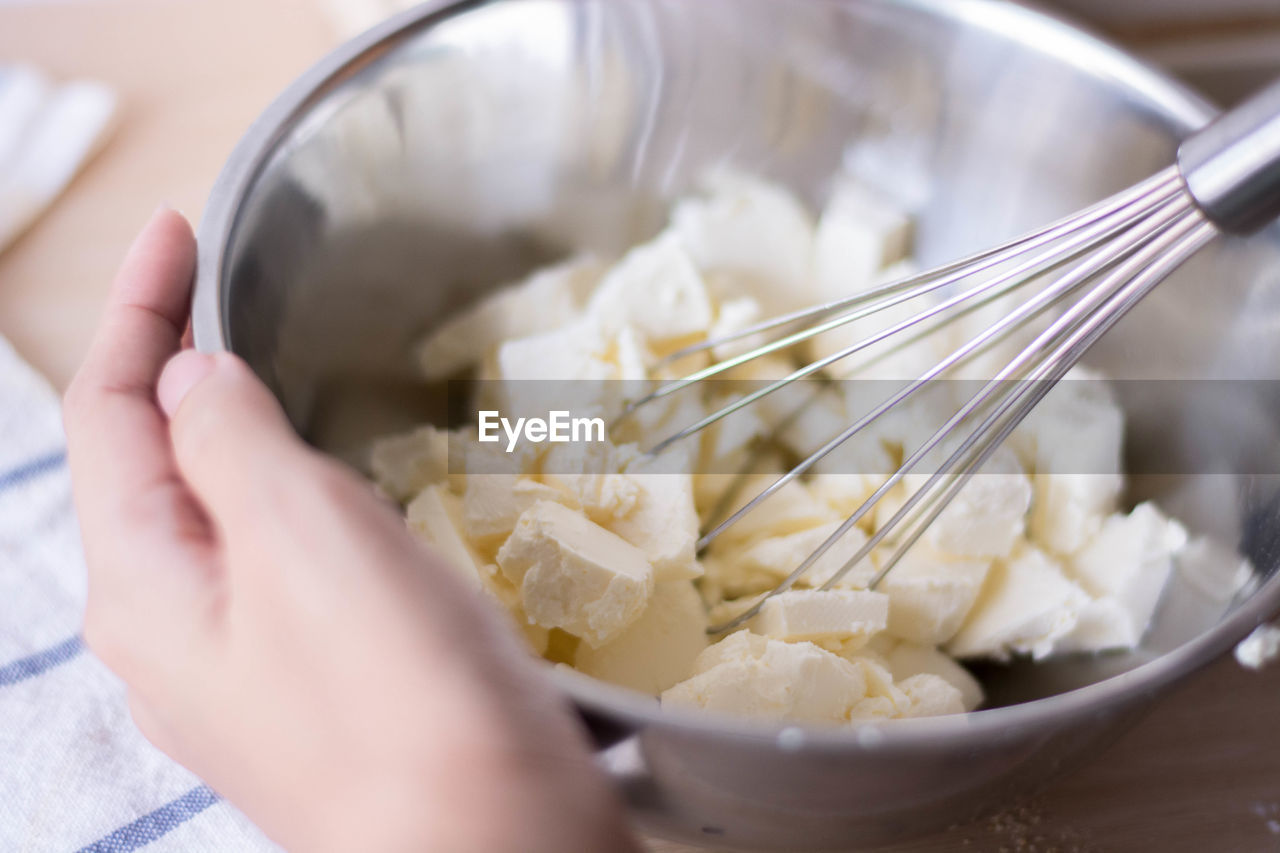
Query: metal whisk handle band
(1232, 166)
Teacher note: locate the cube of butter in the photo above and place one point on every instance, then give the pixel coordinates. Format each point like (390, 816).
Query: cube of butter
(749, 675)
(931, 696)
(658, 649)
(858, 235)
(1129, 561)
(656, 290)
(493, 503)
(755, 228)
(663, 524)
(766, 562)
(545, 300)
(403, 465)
(930, 594)
(1027, 605)
(988, 515)
(575, 575)
(435, 515)
(907, 659)
(814, 615)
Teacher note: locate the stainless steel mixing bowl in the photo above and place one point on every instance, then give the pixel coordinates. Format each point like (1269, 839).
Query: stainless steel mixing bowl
(462, 144)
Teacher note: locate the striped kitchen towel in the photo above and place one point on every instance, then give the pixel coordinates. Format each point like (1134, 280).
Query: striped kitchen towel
(75, 775)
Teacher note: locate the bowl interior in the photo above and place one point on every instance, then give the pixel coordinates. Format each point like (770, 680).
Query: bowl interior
(484, 140)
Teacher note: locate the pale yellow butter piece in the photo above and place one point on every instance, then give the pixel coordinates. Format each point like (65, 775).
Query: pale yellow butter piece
(492, 504)
(931, 696)
(748, 675)
(656, 290)
(753, 228)
(589, 474)
(435, 515)
(1127, 562)
(575, 575)
(809, 614)
(988, 515)
(658, 649)
(906, 659)
(1027, 605)
(544, 301)
(858, 235)
(930, 594)
(663, 524)
(403, 465)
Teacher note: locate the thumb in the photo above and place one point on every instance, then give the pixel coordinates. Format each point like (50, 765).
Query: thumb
(229, 433)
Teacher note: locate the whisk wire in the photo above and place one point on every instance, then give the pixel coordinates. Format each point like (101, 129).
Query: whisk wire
(1008, 281)
(1159, 183)
(996, 331)
(1149, 255)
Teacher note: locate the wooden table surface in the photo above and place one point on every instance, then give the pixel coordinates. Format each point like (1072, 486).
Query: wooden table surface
(1202, 773)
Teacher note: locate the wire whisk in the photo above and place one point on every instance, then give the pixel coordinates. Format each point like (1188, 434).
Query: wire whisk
(1092, 268)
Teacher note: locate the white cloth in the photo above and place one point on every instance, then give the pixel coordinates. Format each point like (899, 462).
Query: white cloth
(75, 775)
(47, 133)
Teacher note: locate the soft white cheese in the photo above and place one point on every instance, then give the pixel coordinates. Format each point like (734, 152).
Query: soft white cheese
(902, 355)
(884, 700)
(534, 370)
(658, 649)
(792, 508)
(735, 315)
(574, 574)
(1030, 558)
(591, 479)
(1102, 623)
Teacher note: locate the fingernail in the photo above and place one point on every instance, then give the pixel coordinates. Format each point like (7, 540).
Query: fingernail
(167, 207)
(183, 372)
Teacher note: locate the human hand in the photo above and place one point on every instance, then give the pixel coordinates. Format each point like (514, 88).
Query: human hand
(280, 632)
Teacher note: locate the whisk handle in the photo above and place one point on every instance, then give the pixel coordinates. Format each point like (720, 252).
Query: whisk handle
(1232, 166)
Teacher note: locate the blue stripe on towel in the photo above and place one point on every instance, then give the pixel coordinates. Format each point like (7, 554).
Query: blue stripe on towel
(154, 826)
(30, 470)
(33, 665)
